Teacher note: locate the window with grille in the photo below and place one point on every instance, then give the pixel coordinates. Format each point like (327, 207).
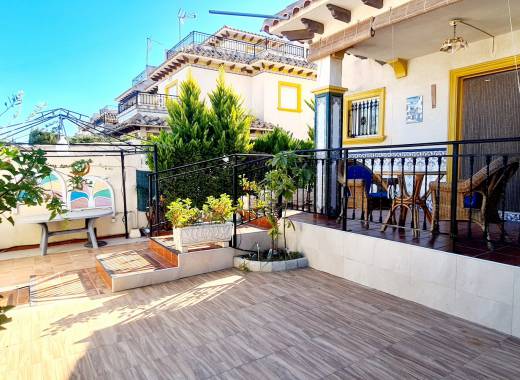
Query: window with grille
(364, 117)
(364, 114)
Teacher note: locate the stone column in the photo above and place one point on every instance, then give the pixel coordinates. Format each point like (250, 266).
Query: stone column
(328, 132)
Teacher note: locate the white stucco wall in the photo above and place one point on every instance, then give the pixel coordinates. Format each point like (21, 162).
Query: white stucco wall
(481, 291)
(108, 168)
(259, 92)
(362, 75)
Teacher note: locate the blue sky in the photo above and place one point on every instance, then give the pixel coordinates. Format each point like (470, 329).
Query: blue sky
(81, 54)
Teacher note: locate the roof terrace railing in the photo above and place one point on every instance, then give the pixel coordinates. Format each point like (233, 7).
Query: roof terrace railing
(246, 48)
(143, 75)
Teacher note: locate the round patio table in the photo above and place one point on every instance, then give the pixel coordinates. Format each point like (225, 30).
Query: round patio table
(90, 216)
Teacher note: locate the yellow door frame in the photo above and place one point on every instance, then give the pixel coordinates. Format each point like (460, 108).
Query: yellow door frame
(457, 77)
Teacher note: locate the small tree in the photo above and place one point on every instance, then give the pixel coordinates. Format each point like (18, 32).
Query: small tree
(40, 136)
(20, 174)
(188, 140)
(288, 171)
(229, 121)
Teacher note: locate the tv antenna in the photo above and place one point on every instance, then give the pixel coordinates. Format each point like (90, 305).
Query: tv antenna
(182, 16)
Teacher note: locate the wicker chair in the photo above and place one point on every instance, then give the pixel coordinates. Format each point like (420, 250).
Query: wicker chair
(478, 197)
(360, 189)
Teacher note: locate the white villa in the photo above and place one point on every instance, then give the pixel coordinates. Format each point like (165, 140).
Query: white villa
(420, 93)
(273, 77)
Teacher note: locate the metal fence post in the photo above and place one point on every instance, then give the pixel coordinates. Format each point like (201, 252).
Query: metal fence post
(156, 179)
(123, 179)
(454, 185)
(150, 205)
(345, 193)
(235, 200)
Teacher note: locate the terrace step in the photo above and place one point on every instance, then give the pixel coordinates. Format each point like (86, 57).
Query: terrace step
(132, 269)
(160, 263)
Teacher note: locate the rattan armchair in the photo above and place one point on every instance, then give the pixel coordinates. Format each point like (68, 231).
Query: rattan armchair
(478, 197)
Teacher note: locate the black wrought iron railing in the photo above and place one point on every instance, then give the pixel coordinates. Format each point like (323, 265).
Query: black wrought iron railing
(462, 190)
(246, 49)
(143, 75)
(146, 100)
(364, 118)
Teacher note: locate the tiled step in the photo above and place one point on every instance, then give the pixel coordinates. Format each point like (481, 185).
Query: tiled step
(131, 269)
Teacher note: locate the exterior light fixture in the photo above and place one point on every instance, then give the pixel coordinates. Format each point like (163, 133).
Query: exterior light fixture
(455, 43)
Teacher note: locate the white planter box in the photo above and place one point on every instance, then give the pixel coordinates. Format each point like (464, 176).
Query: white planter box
(249, 202)
(201, 234)
(270, 266)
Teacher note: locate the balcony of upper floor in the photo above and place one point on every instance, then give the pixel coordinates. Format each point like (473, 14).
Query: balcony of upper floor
(246, 51)
(143, 103)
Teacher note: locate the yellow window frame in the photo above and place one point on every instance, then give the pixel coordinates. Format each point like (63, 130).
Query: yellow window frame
(282, 84)
(348, 100)
(170, 86)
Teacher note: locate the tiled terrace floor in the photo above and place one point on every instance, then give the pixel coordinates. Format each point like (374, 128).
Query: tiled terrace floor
(507, 252)
(302, 324)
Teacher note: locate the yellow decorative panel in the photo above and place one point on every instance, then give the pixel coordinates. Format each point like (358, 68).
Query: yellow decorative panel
(289, 97)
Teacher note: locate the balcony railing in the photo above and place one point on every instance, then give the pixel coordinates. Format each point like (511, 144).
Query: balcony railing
(456, 195)
(146, 101)
(106, 118)
(246, 49)
(143, 75)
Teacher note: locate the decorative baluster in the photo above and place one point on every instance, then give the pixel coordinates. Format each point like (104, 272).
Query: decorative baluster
(394, 184)
(435, 227)
(413, 222)
(381, 163)
(354, 193)
(363, 200)
(472, 196)
(402, 187)
(370, 190)
(425, 190)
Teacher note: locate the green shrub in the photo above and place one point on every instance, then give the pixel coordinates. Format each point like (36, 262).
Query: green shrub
(218, 210)
(181, 213)
(279, 140)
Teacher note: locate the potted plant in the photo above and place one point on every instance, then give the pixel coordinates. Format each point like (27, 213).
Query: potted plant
(192, 226)
(251, 190)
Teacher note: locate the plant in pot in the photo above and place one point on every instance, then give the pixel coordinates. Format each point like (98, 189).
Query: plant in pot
(251, 191)
(192, 226)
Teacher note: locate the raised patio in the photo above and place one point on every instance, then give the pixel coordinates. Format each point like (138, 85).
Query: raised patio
(231, 324)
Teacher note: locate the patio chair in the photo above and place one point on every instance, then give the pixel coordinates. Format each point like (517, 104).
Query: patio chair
(478, 197)
(366, 190)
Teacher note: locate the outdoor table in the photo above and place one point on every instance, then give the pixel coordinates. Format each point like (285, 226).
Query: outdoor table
(90, 216)
(409, 202)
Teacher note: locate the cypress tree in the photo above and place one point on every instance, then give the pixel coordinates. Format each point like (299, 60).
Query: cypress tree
(229, 121)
